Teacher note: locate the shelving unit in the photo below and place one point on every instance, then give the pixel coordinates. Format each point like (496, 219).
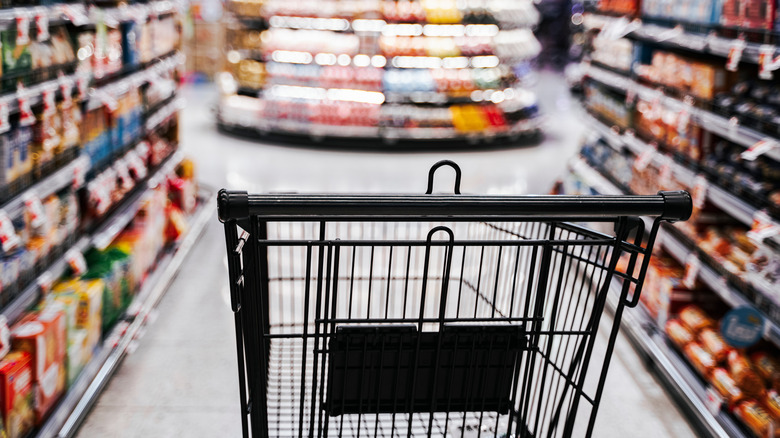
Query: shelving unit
(462, 107)
(650, 341)
(141, 127)
(74, 407)
(646, 123)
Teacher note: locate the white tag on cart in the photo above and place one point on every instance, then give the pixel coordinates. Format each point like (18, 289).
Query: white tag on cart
(644, 159)
(22, 28)
(735, 54)
(699, 195)
(42, 26)
(760, 148)
(692, 268)
(5, 123)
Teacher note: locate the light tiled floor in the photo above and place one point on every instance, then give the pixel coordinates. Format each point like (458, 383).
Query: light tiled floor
(182, 379)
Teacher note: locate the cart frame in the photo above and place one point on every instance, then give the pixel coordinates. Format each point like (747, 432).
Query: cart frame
(426, 367)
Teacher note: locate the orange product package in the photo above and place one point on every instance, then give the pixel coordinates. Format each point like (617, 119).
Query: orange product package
(700, 358)
(712, 341)
(726, 386)
(42, 335)
(767, 367)
(695, 319)
(772, 403)
(756, 418)
(16, 394)
(678, 333)
(742, 372)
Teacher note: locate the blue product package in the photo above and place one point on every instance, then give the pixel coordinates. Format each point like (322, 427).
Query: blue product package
(130, 53)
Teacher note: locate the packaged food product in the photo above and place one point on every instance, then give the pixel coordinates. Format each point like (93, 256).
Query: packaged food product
(695, 319)
(767, 367)
(700, 358)
(742, 372)
(16, 389)
(725, 385)
(755, 417)
(89, 299)
(714, 343)
(678, 333)
(772, 403)
(42, 335)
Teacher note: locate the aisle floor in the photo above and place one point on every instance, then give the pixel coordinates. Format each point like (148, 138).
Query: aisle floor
(181, 381)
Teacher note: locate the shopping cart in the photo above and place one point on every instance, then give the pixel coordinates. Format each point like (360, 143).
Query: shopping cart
(430, 315)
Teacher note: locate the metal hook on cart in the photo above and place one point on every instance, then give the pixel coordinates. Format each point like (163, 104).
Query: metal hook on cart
(433, 170)
(445, 275)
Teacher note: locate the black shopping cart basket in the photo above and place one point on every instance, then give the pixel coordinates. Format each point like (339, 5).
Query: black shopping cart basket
(431, 315)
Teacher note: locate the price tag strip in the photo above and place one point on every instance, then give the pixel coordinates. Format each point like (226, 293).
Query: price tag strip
(692, 268)
(644, 159)
(763, 227)
(5, 123)
(8, 237)
(767, 62)
(76, 261)
(735, 54)
(699, 195)
(760, 148)
(34, 210)
(42, 25)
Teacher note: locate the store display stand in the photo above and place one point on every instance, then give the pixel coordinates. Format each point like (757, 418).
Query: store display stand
(358, 97)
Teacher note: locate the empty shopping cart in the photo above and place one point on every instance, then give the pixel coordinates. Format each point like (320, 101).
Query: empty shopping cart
(431, 315)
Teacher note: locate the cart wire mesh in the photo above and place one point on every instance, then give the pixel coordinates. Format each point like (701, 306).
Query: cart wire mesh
(393, 327)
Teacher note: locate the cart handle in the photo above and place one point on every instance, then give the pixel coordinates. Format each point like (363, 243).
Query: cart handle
(238, 205)
(433, 170)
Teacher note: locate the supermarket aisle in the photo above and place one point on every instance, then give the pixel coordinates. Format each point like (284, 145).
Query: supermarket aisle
(181, 381)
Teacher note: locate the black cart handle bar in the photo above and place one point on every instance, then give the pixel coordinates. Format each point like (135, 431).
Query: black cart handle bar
(238, 205)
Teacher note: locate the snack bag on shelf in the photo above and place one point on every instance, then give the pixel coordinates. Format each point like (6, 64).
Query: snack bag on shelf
(88, 298)
(16, 389)
(17, 61)
(75, 356)
(42, 335)
(756, 418)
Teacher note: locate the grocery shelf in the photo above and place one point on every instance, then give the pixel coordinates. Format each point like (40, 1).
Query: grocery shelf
(593, 178)
(679, 37)
(675, 374)
(53, 183)
(254, 125)
(681, 252)
(729, 129)
(79, 14)
(31, 293)
(127, 206)
(65, 420)
(161, 66)
(734, 298)
(720, 197)
(111, 228)
(161, 115)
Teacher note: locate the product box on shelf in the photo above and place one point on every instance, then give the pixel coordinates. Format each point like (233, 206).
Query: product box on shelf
(749, 14)
(16, 157)
(16, 389)
(87, 296)
(42, 335)
(664, 293)
(76, 355)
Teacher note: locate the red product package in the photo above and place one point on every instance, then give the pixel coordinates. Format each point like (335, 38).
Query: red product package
(16, 394)
(42, 335)
(758, 14)
(733, 13)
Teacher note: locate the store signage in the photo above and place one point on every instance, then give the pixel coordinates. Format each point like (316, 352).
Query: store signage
(742, 327)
